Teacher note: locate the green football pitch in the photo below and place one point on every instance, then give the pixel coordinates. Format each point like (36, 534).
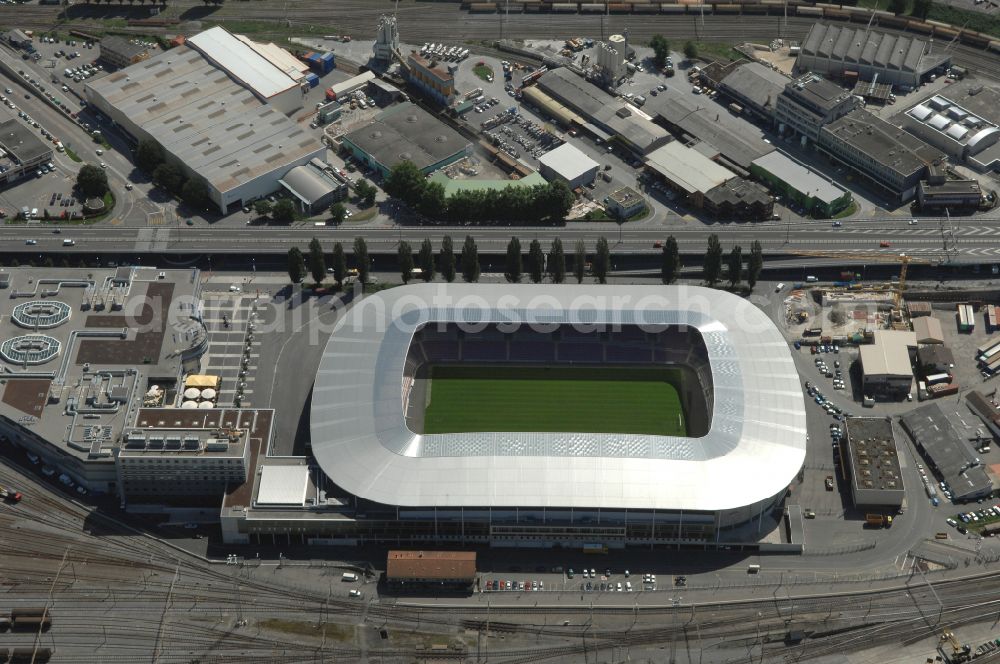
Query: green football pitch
(577, 399)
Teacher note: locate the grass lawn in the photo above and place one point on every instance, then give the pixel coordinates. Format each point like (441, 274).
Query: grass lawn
(579, 399)
(847, 211)
(484, 72)
(718, 51)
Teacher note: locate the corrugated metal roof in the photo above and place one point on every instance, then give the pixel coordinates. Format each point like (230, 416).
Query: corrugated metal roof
(436, 565)
(569, 161)
(283, 485)
(688, 168)
(754, 448)
(799, 177)
(243, 62)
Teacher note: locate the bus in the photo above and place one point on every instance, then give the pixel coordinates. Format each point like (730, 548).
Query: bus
(596, 549)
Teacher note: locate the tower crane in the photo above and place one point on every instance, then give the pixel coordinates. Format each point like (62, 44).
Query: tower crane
(903, 259)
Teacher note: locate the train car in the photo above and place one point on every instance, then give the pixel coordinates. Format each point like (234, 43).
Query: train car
(994, 46)
(726, 9)
(591, 8)
(836, 14)
(776, 7)
(809, 11)
(919, 26)
(651, 8)
(19, 655)
(827, 5)
(859, 14)
(31, 623)
(699, 9)
(977, 39)
(483, 8)
(945, 33)
(565, 7)
(753, 9)
(668, 8)
(897, 22)
(619, 8)
(25, 612)
(879, 12)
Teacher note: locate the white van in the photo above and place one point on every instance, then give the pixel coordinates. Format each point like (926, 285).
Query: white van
(753, 569)
(811, 279)
(349, 576)
(777, 289)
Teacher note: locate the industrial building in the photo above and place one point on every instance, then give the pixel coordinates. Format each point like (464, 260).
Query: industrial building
(927, 330)
(120, 52)
(985, 411)
(886, 367)
(438, 571)
(625, 202)
(756, 87)
(455, 185)
(935, 357)
(406, 132)
(945, 450)
(569, 164)
(815, 193)
(955, 196)
(962, 135)
(687, 171)
(343, 90)
(809, 103)
(218, 109)
(873, 463)
(431, 78)
(850, 51)
(386, 44)
(23, 151)
(739, 200)
(885, 155)
(315, 186)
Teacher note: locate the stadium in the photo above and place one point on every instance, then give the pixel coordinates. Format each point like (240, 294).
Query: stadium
(543, 415)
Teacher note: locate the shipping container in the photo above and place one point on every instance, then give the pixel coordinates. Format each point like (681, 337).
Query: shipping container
(942, 390)
(37, 655)
(938, 378)
(992, 343)
(313, 80)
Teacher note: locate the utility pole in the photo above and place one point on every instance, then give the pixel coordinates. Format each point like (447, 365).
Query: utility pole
(163, 616)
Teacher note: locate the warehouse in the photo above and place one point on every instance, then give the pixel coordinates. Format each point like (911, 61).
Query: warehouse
(569, 164)
(885, 365)
(120, 52)
(928, 330)
(873, 463)
(985, 410)
(207, 122)
(23, 151)
(687, 171)
(884, 154)
(756, 87)
(314, 186)
(935, 357)
(818, 195)
(341, 91)
(848, 50)
(415, 571)
(406, 132)
(951, 457)
(951, 128)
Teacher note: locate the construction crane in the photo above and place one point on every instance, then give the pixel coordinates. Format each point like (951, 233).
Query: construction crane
(904, 261)
(959, 652)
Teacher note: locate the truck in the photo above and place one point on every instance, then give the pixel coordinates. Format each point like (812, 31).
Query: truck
(874, 520)
(868, 402)
(10, 495)
(735, 109)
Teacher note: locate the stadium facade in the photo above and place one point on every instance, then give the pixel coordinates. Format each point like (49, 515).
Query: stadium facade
(383, 482)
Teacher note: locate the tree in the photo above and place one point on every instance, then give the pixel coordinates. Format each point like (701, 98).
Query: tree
(432, 202)
(195, 192)
(339, 263)
(338, 213)
(897, 6)
(405, 255)
(579, 261)
(754, 264)
(284, 211)
(734, 266)
(425, 260)
(361, 259)
(602, 260)
(405, 182)
(690, 50)
(168, 176)
(317, 262)
(536, 261)
(512, 273)
(365, 191)
(713, 260)
(296, 265)
(92, 181)
(148, 155)
(661, 50)
(921, 8)
(470, 260)
(557, 262)
(262, 207)
(446, 259)
(671, 261)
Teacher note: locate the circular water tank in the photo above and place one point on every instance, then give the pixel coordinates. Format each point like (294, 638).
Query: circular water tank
(192, 393)
(189, 405)
(208, 393)
(205, 405)
(616, 40)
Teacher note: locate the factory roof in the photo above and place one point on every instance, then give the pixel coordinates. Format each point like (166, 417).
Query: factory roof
(242, 62)
(439, 565)
(935, 354)
(889, 355)
(635, 129)
(452, 185)
(687, 168)
(18, 139)
(950, 188)
(309, 182)
(927, 330)
(568, 161)
(702, 122)
(577, 93)
(277, 56)
(755, 445)
(953, 457)
(407, 132)
(982, 407)
(863, 46)
(122, 47)
(885, 144)
(799, 177)
(817, 91)
(756, 83)
(205, 119)
(874, 458)
(738, 191)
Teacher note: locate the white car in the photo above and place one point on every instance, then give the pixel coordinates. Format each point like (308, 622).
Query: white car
(233, 288)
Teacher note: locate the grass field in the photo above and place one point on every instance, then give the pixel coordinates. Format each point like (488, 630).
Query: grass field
(579, 399)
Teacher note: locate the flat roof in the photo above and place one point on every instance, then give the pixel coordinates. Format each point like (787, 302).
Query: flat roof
(886, 144)
(687, 168)
(932, 430)
(568, 161)
(122, 46)
(204, 118)
(951, 187)
(442, 565)
(873, 454)
(452, 185)
(625, 196)
(756, 83)
(242, 62)
(754, 448)
(982, 407)
(283, 485)
(18, 139)
(408, 132)
(575, 91)
(799, 177)
(816, 90)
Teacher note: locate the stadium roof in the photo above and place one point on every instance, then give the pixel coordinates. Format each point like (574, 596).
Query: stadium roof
(687, 168)
(755, 445)
(242, 62)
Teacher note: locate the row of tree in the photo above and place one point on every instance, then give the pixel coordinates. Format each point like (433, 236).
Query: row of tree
(151, 159)
(536, 264)
(542, 203)
(920, 9)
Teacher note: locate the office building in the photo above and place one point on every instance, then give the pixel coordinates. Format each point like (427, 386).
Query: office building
(809, 103)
